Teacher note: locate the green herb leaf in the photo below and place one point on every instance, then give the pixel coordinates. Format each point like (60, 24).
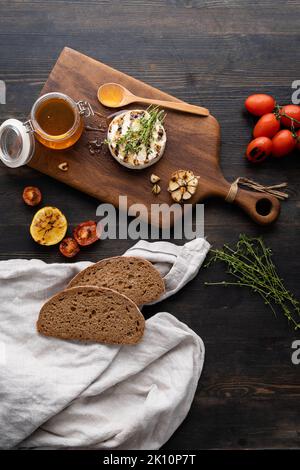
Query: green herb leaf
(133, 140)
(250, 262)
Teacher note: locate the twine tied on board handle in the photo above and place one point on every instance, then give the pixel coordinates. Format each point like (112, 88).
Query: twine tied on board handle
(274, 189)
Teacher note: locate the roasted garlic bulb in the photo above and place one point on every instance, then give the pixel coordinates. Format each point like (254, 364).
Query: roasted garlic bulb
(182, 185)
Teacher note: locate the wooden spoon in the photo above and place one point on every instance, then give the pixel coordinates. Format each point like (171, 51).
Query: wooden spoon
(114, 95)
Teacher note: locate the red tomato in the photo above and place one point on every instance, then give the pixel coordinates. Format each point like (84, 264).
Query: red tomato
(86, 233)
(267, 126)
(69, 247)
(298, 139)
(259, 149)
(32, 196)
(293, 111)
(260, 104)
(283, 143)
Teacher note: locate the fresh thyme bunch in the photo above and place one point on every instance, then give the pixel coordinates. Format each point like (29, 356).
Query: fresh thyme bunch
(134, 139)
(250, 262)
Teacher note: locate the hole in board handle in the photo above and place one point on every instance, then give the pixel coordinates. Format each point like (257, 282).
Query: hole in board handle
(263, 206)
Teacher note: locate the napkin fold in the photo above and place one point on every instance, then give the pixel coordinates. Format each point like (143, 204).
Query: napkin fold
(66, 394)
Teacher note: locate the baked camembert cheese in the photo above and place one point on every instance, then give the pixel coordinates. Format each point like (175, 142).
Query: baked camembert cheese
(137, 138)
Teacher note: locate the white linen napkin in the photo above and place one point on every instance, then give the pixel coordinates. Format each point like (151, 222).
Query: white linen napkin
(67, 394)
(177, 264)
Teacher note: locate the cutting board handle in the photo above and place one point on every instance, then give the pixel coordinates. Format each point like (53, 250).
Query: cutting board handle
(263, 208)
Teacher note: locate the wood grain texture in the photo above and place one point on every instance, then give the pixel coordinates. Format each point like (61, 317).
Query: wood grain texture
(193, 143)
(212, 53)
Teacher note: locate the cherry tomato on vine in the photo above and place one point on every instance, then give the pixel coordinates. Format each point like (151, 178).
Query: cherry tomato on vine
(259, 149)
(69, 247)
(293, 111)
(32, 196)
(267, 126)
(86, 233)
(260, 104)
(283, 143)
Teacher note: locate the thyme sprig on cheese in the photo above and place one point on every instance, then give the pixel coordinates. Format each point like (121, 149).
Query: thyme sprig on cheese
(136, 138)
(133, 140)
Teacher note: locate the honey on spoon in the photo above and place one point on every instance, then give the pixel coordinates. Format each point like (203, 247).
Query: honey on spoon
(114, 95)
(111, 95)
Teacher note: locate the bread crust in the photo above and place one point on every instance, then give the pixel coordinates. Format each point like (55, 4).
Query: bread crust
(89, 313)
(135, 277)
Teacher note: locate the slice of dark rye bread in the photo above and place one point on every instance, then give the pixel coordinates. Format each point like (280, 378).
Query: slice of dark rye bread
(92, 314)
(135, 277)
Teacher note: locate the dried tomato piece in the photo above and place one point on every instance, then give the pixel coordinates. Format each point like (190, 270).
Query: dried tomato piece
(86, 233)
(32, 196)
(69, 247)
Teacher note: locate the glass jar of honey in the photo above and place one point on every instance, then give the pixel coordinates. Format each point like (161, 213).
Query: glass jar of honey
(56, 121)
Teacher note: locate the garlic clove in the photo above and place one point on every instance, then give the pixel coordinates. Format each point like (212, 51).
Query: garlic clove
(154, 178)
(177, 195)
(193, 182)
(156, 189)
(173, 185)
(186, 195)
(192, 189)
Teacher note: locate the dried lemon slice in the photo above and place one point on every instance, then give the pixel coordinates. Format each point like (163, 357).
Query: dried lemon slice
(48, 226)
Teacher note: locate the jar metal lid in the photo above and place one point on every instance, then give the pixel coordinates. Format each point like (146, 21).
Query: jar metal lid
(16, 143)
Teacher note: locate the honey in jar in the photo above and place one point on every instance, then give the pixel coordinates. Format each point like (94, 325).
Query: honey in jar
(56, 121)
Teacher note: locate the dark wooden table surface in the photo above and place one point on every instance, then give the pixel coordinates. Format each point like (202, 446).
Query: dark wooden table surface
(211, 53)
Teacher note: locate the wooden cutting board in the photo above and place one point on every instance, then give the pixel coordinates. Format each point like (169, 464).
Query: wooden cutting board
(193, 143)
